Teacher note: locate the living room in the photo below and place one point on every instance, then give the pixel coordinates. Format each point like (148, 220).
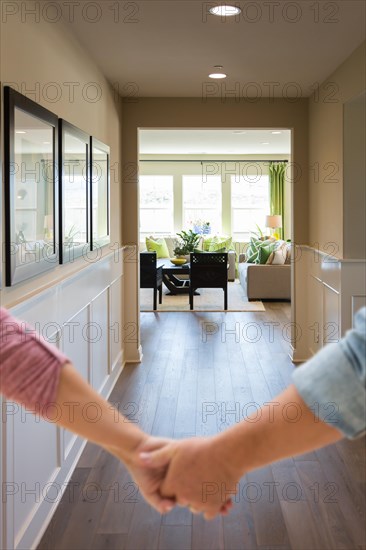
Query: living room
(225, 194)
(114, 70)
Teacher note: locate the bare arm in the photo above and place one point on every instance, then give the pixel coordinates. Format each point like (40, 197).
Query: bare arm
(105, 426)
(37, 375)
(204, 472)
(83, 411)
(285, 428)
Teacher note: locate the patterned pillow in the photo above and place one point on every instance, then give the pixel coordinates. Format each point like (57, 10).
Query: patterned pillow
(252, 252)
(288, 256)
(280, 254)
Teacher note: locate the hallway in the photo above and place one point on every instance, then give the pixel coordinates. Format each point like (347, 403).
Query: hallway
(200, 373)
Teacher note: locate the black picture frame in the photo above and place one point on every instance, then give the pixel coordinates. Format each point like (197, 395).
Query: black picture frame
(97, 169)
(71, 249)
(29, 258)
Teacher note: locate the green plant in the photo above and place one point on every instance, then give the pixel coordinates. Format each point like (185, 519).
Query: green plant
(188, 242)
(260, 232)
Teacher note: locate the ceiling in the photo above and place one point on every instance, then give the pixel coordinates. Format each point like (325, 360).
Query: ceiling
(214, 142)
(166, 48)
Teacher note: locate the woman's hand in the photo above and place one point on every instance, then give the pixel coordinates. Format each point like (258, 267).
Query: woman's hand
(149, 480)
(198, 474)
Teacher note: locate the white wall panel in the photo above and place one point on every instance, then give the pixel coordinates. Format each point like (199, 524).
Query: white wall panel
(38, 455)
(331, 315)
(75, 345)
(98, 337)
(315, 314)
(35, 464)
(335, 289)
(115, 333)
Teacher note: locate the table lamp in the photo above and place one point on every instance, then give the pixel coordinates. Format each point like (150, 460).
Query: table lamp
(274, 222)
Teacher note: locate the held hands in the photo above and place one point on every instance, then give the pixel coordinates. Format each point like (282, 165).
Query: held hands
(149, 480)
(197, 474)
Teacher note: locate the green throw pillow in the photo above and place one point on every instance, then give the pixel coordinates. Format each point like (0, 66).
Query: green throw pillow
(217, 244)
(252, 251)
(157, 245)
(265, 250)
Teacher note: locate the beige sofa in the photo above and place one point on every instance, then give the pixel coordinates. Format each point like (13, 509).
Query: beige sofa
(265, 282)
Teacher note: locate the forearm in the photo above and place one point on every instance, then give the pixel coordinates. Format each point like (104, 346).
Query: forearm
(284, 428)
(83, 411)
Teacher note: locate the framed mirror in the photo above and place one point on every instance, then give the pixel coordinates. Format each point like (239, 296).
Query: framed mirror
(74, 178)
(31, 190)
(100, 191)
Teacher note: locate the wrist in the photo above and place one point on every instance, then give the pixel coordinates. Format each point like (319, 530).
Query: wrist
(128, 444)
(230, 446)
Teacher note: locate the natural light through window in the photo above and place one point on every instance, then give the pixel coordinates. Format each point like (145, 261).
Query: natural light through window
(202, 201)
(249, 205)
(156, 206)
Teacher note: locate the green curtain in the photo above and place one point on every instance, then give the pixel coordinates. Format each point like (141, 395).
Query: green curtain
(277, 191)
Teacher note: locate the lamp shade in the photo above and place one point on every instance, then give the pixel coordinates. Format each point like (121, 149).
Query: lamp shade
(274, 222)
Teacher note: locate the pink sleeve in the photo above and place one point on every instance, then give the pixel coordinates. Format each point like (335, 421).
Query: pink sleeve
(29, 366)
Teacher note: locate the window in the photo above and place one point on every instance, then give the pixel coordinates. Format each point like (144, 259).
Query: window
(202, 201)
(156, 206)
(249, 205)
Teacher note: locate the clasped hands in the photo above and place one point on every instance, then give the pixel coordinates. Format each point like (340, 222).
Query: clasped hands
(192, 472)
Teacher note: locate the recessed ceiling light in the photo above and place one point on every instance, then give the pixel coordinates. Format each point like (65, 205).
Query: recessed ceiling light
(265, 142)
(20, 132)
(276, 132)
(46, 143)
(217, 75)
(225, 10)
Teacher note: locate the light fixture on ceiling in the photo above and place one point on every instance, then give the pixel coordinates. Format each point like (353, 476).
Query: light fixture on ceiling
(276, 132)
(20, 132)
(225, 10)
(265, 142)
(218, 73)
(46, 142)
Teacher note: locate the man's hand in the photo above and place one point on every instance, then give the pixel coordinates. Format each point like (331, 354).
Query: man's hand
(198, 475)
(149, 480)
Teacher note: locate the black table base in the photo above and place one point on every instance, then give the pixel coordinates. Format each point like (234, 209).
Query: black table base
(173, 284)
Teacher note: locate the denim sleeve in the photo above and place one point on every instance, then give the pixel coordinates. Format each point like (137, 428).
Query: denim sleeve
(333, 382)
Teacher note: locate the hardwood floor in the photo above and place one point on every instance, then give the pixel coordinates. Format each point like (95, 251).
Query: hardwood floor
(197, 377)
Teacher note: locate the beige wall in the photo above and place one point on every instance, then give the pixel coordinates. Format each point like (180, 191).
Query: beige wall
(326, 181)
(354, 187)
(35, 55)
(194, 113)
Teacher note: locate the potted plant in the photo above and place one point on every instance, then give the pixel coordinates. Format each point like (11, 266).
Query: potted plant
(188, 242)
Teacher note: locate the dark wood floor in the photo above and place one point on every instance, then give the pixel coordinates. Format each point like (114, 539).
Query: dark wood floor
(315, 501)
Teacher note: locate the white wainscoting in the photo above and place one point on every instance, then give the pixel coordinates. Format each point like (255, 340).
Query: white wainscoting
(83, 316)
(333, 290)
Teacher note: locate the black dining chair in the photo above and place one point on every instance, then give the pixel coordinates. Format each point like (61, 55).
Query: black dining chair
(151, 275)
(208, 270)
